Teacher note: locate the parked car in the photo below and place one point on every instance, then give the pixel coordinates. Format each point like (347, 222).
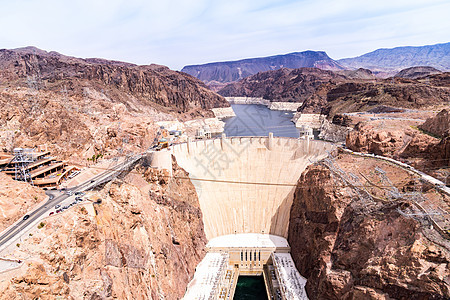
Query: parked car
(51, 213)
(57, 206)
(26, 217)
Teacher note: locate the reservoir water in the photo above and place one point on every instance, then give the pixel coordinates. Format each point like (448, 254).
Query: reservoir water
(258, 120)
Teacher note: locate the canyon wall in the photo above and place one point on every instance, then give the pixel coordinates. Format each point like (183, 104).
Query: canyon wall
(349, 248)
(143, 241)
(292, 106)
(82, 107)
(149, 84)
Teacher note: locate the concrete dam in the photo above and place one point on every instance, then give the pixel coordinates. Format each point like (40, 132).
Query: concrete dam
(245, 186)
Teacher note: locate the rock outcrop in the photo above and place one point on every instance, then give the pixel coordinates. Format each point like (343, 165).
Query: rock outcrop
(417, 72)
(426, 153)
(397, 144)
(360, 73)
(353, 96)
(348, 248)
(438, 125)
(333, 132)
(142, 242)
(293, 85)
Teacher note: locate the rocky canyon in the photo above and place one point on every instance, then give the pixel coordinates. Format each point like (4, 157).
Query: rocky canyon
(142, 240)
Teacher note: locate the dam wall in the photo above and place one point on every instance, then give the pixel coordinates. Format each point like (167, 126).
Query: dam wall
(246, 184)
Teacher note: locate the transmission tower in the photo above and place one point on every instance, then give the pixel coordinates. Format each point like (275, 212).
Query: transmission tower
(22, 158)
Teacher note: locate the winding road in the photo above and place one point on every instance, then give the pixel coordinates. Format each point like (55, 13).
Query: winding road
(56, 197)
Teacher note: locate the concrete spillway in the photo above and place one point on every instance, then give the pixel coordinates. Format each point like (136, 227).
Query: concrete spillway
(246, 184)
(249, 254)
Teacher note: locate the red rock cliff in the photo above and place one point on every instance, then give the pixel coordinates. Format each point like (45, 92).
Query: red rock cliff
(349, 251)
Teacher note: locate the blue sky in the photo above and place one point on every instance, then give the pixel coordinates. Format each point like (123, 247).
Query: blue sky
(177, 33)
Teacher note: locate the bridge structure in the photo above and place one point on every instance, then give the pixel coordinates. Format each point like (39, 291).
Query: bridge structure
(245, 187)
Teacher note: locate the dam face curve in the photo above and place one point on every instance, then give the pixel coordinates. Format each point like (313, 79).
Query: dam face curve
(246, 184)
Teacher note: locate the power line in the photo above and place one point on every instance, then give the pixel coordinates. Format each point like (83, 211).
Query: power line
(242, 182)
(434, 168)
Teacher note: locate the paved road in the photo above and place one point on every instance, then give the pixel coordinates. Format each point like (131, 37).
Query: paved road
(56, 197)
(18, 227)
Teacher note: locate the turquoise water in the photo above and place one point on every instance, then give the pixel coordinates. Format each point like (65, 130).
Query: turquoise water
(250, 288)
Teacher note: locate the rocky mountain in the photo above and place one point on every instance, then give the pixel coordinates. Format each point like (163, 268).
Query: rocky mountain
(145, 237)
(230, 71)
(331, 92)
(417, 72)
(81, 107)
(437, 56)
(349, 247)
(143, 241)
(153, 84)
(356, 95)
(291, 85)
(360, 73)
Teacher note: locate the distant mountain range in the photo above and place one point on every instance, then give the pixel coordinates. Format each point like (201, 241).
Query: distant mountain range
(395, 59)
(230, 71)
(384, 62)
